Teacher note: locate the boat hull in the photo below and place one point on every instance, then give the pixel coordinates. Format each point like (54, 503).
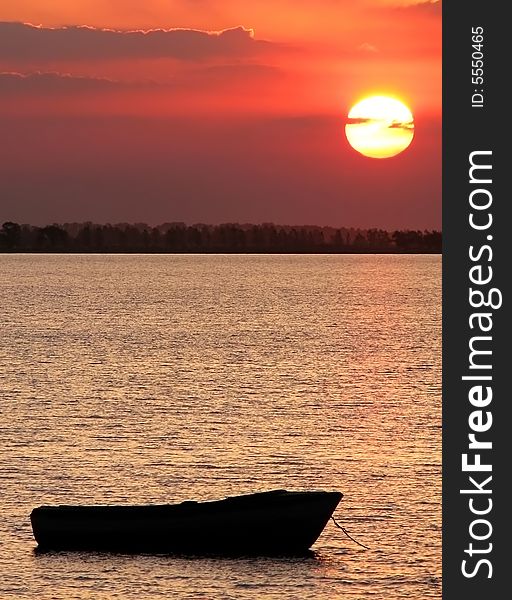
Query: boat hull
(277, 522)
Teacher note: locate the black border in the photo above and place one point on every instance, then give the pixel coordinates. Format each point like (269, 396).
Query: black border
(467, 129)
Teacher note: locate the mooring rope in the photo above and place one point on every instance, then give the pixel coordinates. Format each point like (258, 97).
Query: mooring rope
(348, 534)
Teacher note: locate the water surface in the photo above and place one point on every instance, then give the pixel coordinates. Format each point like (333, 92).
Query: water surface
(141, 379)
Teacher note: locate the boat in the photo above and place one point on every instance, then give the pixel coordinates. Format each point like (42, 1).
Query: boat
(276, 522)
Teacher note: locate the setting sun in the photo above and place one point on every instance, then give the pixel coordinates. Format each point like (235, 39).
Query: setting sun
(379, 127)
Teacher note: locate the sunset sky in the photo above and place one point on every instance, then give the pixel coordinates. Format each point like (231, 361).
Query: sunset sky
(211, 111)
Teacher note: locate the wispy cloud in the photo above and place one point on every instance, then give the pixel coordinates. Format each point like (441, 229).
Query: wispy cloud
(207, 77)
(358, 121)
(14, 83)
(393, 125)
(367, 47)
(433, 7)
(401, 125)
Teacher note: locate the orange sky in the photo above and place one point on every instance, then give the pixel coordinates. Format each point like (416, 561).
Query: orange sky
(224, 66)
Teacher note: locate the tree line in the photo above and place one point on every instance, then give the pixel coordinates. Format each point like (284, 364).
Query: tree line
(200, 238)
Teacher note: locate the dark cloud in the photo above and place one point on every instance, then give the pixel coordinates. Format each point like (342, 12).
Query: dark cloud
(358, 121)
(392, 125)
(401, 125)
(37, 83)
(25, 43)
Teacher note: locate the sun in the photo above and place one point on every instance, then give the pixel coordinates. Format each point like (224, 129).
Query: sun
(380, 127)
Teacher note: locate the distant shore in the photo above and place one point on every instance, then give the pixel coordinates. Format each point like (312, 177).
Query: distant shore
(229, 238)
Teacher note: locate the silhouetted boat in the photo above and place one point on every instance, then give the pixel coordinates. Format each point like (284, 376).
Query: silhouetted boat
(275, 522)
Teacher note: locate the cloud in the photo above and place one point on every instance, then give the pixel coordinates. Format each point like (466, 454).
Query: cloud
(26, 43)
(402, 125)
(366, 47)
(37, 83)
(211, 77)
(431, 7)
(358, 121)
(393, 125)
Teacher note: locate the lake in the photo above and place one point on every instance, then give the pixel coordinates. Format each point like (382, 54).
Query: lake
(161, 378)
